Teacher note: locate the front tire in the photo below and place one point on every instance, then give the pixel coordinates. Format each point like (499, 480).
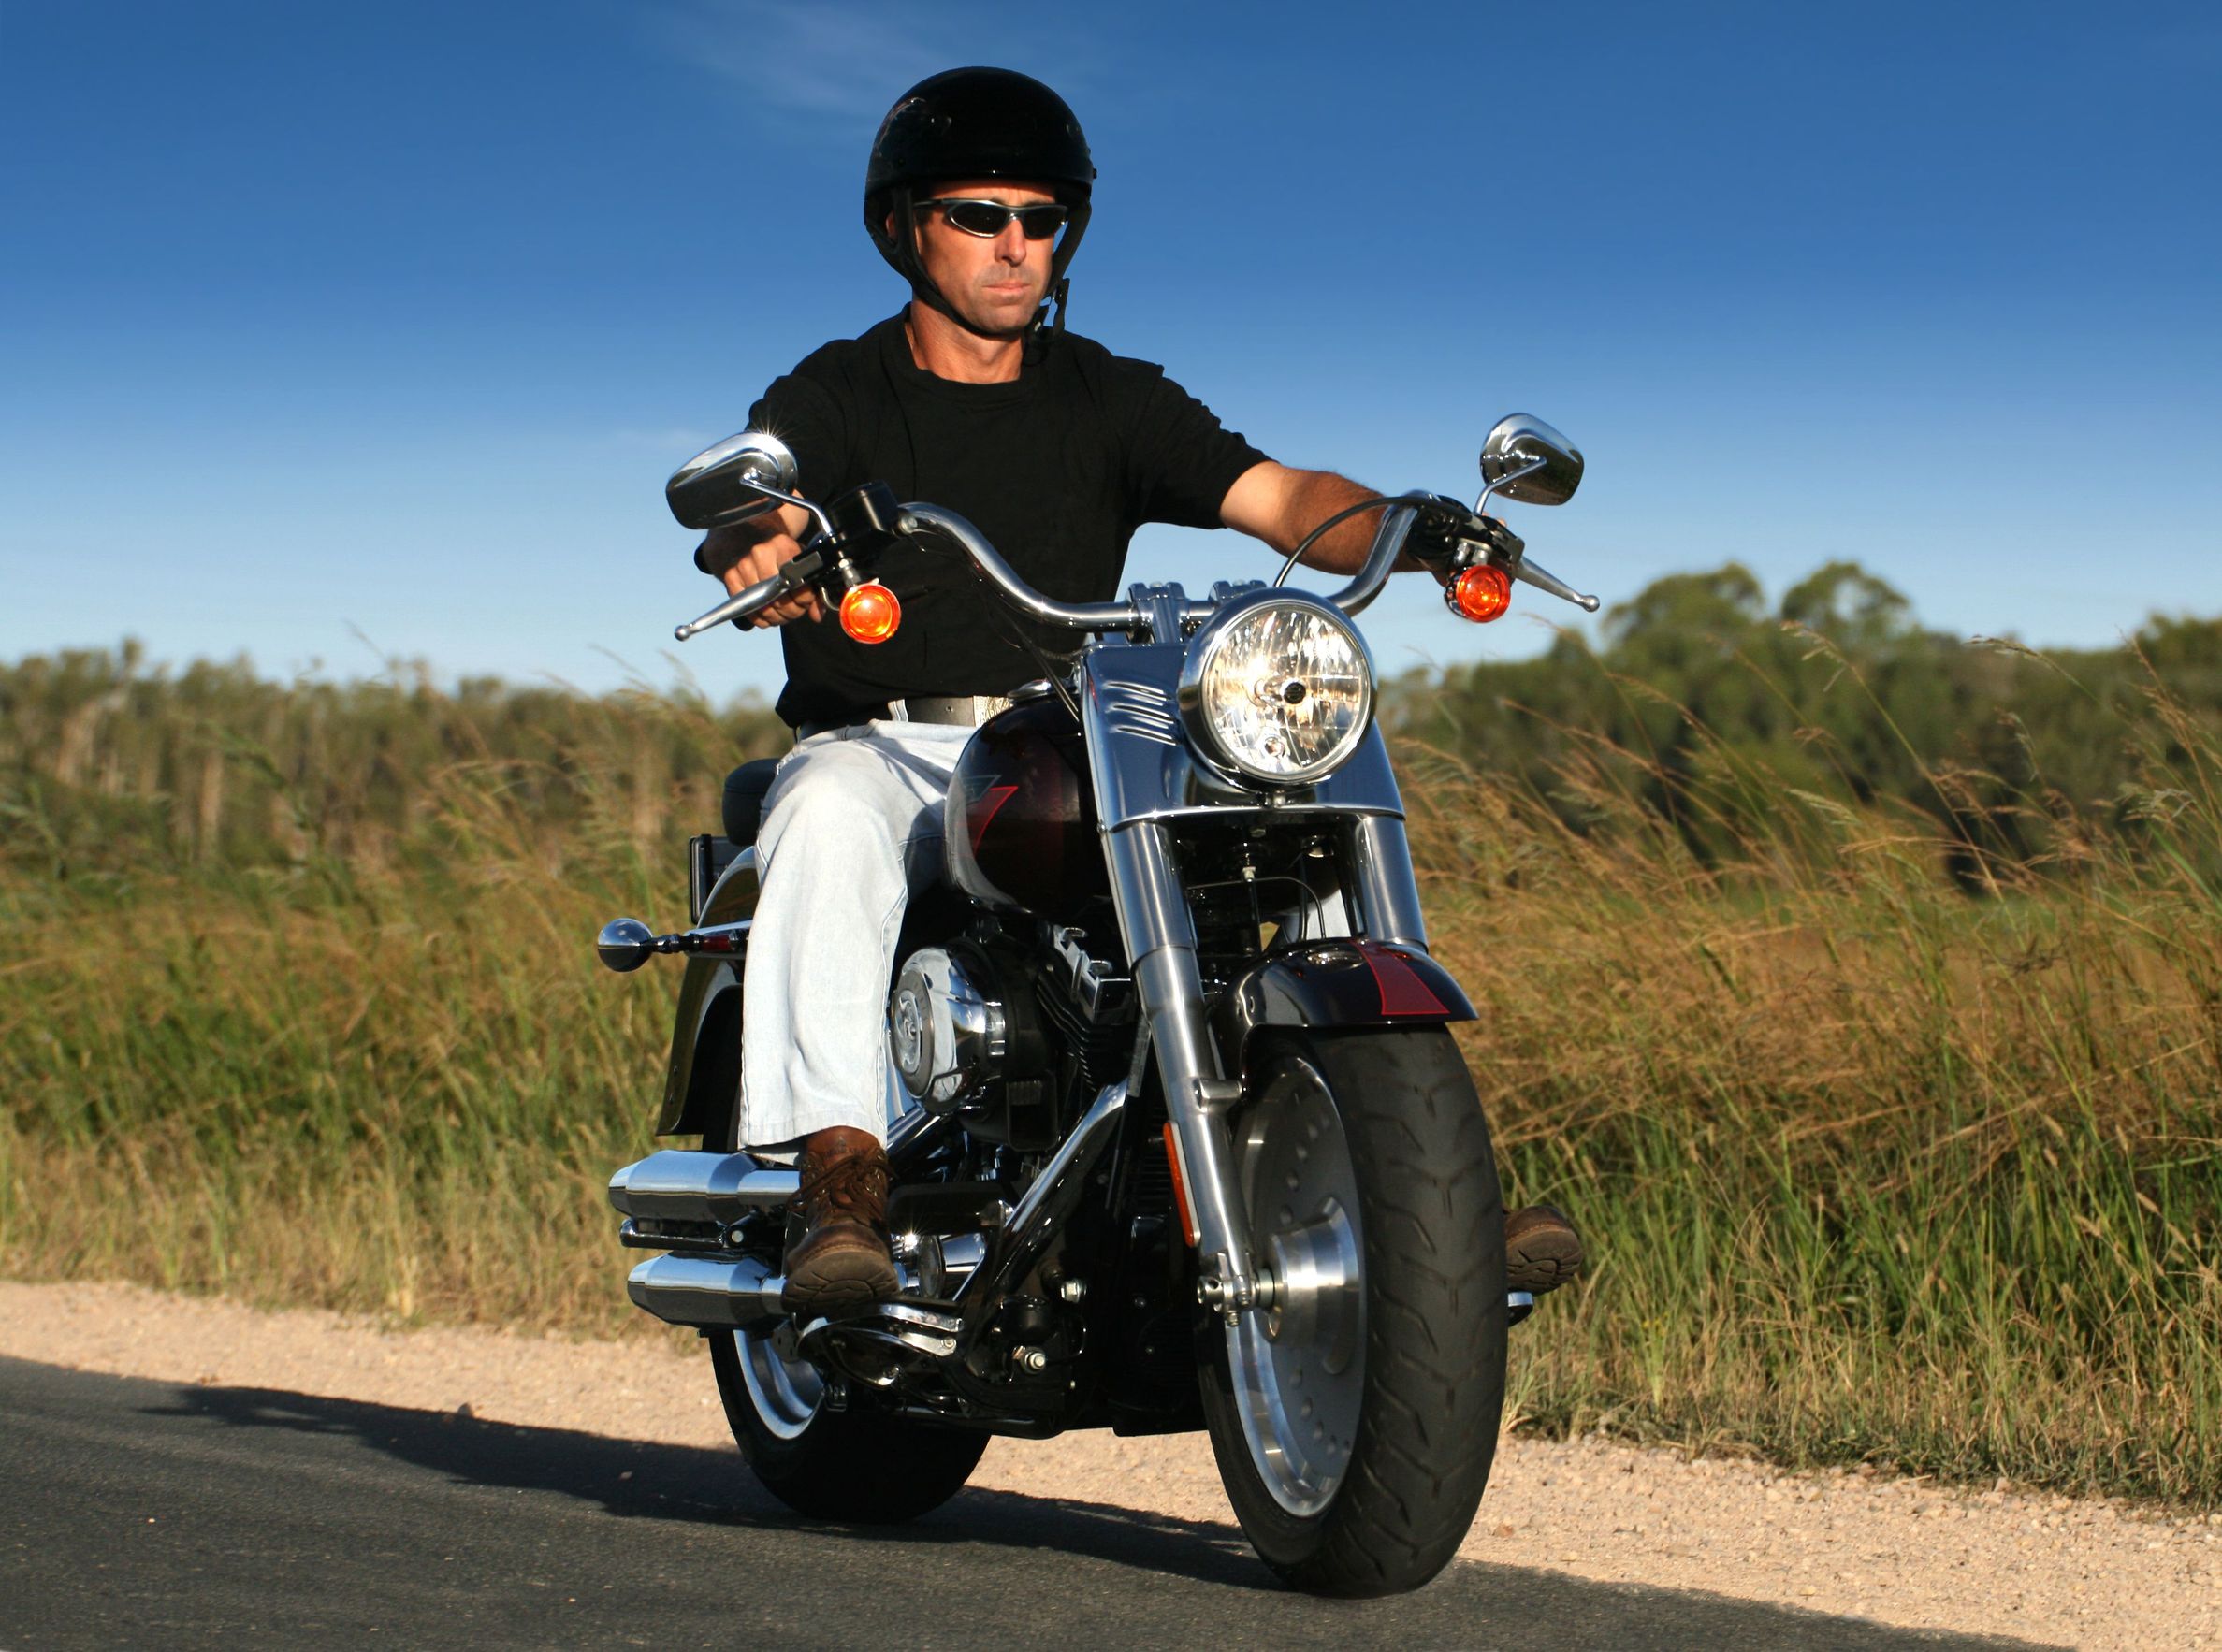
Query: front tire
(1355, 1421)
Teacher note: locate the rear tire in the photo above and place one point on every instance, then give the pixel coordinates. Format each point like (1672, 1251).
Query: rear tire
(846, 1466)
(1363, 1482)
(853, 1467)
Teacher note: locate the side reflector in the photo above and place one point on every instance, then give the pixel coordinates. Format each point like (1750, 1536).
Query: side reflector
(1179, 1187)
(870, 614)
(1480, 593)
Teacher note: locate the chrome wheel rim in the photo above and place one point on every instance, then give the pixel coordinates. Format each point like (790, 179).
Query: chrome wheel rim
(785, 1389)
(1298, 1361)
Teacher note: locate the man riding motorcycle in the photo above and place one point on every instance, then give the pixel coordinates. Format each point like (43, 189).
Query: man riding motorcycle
(978, 193)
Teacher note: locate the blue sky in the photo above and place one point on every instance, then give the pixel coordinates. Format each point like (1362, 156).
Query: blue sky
(333, 332)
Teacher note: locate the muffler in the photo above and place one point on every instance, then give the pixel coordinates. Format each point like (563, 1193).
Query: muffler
(706, 1292)
(694, 1187)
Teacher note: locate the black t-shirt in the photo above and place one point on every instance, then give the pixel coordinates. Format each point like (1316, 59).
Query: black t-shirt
(1058, 468)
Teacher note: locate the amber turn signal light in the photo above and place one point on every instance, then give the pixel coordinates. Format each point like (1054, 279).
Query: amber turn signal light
(870, 614)
(1481, 593)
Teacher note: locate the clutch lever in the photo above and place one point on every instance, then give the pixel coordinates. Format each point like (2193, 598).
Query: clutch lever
(745, 604)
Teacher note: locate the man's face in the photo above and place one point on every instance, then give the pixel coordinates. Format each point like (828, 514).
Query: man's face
(995, 283)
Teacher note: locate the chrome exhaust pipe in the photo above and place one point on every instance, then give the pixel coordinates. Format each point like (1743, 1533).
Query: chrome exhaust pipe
(706, 1292)
(718, 1188)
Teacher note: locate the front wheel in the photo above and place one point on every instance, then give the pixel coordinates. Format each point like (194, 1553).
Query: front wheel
(1355, 1417)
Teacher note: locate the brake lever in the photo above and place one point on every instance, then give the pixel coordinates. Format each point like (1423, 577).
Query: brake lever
(1544, 580)
(1476, 537)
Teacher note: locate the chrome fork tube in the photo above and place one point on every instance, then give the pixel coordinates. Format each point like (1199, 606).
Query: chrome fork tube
(1386, 890)
(1161, 941)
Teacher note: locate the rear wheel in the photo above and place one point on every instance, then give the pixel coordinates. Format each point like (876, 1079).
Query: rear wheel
(1355, 1418)
(849, 1466)
(831, 1465)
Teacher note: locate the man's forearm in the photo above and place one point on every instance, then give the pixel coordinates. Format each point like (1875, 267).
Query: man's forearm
(1314, 496)
(1281, 505)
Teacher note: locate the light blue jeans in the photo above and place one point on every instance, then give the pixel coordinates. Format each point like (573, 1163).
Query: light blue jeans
(852, 827)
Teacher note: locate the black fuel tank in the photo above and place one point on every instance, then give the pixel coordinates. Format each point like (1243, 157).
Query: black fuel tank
(1020, 813)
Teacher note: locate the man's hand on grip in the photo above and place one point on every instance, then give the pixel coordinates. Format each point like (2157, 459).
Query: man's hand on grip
(744, 554)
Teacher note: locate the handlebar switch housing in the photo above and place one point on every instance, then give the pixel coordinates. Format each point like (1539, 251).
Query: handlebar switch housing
(866, 513)
(1450, 535)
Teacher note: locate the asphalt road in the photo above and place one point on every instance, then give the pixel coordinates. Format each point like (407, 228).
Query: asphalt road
(145, 1514)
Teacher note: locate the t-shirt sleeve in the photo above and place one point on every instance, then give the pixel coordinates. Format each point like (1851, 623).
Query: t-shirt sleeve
(800, 412)
(1180, 460)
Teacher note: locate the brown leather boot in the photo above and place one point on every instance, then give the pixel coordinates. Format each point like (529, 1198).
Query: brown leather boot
(841, 1264)
(1542, 1252)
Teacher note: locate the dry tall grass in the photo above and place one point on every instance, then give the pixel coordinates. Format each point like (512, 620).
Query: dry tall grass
(1870, 1169)
(1869, 1166)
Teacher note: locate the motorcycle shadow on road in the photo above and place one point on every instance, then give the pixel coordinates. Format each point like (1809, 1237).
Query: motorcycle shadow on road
(633, 1478)
(711, 1490)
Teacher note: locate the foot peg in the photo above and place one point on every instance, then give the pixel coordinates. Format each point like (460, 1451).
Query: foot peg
(888, 1329)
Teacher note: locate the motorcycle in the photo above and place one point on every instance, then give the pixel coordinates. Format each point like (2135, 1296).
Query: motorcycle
(1182, 1139)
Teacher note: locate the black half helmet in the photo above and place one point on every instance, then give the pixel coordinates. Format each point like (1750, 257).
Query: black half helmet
(975, 122)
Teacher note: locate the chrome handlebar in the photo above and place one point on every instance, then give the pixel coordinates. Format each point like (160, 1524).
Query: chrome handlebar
(1080, 617)
(919, 520)
(1381, 558)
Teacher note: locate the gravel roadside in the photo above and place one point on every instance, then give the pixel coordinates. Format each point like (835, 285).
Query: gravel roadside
(1901, 1551)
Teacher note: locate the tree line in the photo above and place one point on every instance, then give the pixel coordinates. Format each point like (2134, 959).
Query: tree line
(1712, 710)
(1703, 706)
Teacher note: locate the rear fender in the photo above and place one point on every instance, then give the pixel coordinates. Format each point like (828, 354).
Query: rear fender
(1340, 984)
(702, 1085)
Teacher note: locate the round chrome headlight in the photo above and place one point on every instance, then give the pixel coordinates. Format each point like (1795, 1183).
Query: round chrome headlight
(1279, 690)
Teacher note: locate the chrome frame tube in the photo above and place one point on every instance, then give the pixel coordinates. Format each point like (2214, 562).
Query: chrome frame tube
(1160, 937)
(1043, 1208)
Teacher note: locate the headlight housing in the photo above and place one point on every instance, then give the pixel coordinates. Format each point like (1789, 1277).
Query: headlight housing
(1278, 689)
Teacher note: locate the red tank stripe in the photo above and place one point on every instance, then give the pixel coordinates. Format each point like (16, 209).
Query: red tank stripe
(982, 814)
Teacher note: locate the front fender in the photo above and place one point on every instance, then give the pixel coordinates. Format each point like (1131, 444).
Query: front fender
(1343, 983)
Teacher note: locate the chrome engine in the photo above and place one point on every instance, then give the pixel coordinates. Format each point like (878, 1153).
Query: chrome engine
(949, 1033)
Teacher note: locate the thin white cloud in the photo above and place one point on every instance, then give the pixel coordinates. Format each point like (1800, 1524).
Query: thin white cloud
(844, 61)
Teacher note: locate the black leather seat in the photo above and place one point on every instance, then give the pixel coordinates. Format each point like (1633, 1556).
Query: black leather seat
(743, 807)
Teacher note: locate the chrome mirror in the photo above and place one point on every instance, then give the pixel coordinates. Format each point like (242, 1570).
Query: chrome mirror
(1525, 459)
(625, 944)
(741, 477)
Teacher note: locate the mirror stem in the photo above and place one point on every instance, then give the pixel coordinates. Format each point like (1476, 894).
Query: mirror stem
(1506, 481)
